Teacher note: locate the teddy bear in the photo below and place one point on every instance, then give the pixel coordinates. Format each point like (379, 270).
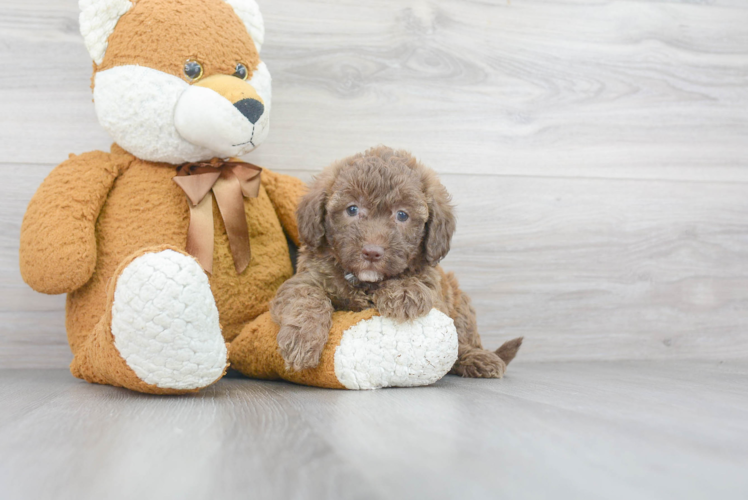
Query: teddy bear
(168, 246)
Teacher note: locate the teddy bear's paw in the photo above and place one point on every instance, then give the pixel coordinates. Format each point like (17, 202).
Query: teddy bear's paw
(379, 352)
(165, 322)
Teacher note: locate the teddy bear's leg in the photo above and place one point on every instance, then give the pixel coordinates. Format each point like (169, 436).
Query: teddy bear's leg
(363, 351)
(160, 332)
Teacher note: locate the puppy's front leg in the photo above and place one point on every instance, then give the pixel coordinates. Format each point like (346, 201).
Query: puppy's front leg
(404, 299)
(304, 313)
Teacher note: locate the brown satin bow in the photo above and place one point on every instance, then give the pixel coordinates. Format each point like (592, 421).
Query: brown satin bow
(230, 181)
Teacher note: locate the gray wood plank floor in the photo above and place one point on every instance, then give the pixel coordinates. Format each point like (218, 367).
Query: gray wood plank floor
(615, 430)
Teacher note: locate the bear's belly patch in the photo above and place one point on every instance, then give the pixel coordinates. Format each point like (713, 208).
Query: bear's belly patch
(146, 208)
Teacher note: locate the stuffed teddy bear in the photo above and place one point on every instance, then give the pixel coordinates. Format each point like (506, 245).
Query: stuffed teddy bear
(169, 247)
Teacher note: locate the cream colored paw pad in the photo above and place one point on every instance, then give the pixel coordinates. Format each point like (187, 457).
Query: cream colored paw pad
(165, 322)
(379, 352)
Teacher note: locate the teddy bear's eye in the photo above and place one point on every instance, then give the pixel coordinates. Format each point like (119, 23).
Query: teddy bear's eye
(402, 216)
(352, 210)
(241, 71)
(193, 70)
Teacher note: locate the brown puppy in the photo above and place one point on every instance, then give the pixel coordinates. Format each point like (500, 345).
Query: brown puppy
(373, 229)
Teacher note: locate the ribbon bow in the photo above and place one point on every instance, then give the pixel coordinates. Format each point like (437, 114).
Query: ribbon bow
(230, 181)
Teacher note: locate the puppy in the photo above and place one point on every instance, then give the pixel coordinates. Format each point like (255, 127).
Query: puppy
(373, 229)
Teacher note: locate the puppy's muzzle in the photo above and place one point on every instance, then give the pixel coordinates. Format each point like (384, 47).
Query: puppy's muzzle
(372, 253)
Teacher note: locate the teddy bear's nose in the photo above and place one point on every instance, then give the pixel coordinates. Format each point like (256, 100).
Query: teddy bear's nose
(251, 108)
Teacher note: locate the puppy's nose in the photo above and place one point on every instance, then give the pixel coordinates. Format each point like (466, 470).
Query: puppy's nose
(251, 108)
(372, 253)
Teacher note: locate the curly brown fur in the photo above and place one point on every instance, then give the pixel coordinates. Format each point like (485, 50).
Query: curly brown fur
(382, 253)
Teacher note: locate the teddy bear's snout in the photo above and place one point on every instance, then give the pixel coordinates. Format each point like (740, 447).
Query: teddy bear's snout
(213, 118)
(222, 113)
(171, 120)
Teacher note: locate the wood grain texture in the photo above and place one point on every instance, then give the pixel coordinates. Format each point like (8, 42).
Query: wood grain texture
(567, 88)
(596, 151)
(617, 430)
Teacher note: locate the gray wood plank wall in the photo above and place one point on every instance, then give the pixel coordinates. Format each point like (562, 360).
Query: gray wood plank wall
(597, 153)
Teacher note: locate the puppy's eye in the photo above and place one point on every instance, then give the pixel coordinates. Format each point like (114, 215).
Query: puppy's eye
(352, 210)
(241, 71)
(402, 216)
(193, 70)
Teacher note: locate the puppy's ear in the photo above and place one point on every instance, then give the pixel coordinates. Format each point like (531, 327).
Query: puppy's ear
(311, 214)
(441, 223)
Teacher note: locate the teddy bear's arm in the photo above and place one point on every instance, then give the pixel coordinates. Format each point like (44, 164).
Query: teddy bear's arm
(284, 192)
(58, 241)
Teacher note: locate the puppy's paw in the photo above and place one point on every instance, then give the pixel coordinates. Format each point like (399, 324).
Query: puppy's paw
(301, 348)
(479, 363)
(404, 302)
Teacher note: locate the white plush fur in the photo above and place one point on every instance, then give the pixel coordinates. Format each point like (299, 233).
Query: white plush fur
(97, 21)
(165, 322)
(379, 352)
(249, 12)
(99, 17)
(205, 118)
(138, 106)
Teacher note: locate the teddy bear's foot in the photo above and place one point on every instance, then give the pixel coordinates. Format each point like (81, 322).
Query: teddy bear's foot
(363, 351)
(161, 333)
(380, 352)
(165, 322)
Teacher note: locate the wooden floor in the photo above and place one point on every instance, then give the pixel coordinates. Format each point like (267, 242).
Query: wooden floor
(607, 430)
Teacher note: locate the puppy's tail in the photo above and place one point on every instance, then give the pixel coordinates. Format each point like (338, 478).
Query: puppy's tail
(509, 349)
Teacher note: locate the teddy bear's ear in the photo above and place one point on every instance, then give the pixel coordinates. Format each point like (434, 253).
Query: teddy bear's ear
(249, 12)
(98, 19)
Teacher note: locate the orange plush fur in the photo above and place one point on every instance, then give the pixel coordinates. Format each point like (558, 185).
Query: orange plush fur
(97, 211)
(201, 30)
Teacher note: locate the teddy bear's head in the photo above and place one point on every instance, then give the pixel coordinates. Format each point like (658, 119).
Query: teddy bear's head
(179, 80)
